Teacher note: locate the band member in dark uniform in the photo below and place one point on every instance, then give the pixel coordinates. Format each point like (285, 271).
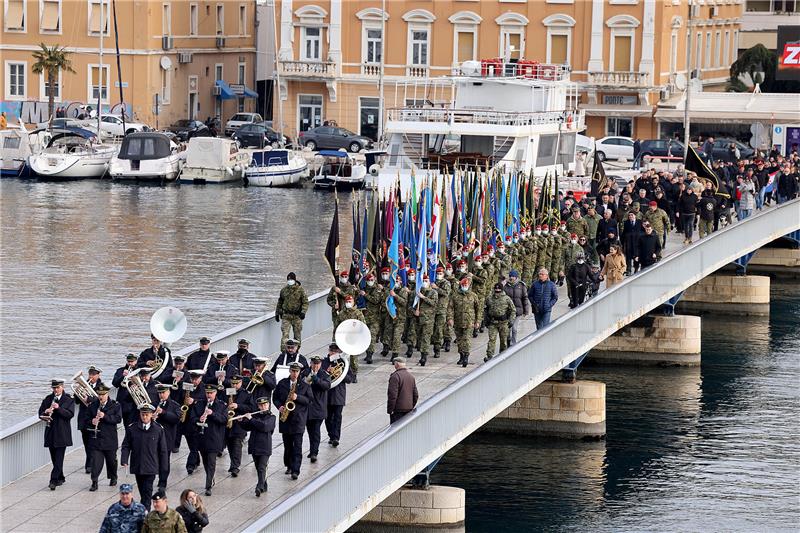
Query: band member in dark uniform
(129, 411)
(210, 416)
(103, 417)
(83, 415)
(197, 359)
(57, 409)
(289, 356)
(243, 360)
(261, 425)
(145, 449)
(220, 364)
(337, 396)
(175, 374)
(265, 389)
(320, 383)
(152, 356)
(145, 374)
(292, 389)
(240, 402)
(188, 427)
(168, 414)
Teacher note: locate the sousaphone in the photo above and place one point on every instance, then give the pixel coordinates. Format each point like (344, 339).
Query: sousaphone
(168, 325)
(353, 338)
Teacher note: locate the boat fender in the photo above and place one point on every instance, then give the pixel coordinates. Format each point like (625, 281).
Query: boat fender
(374, 169)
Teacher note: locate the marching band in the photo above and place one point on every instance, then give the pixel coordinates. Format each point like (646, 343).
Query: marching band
(213, 400)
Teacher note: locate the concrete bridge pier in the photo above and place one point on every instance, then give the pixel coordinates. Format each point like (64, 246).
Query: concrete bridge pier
(653, 340)
(555, 409)
(728, 294)
(435, 508)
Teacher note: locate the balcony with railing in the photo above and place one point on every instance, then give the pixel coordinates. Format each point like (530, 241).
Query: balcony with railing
(417, 71)
(307, 68)
(372, 70)
(618, 80)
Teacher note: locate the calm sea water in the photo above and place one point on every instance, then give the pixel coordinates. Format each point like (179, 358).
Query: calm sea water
(707, 449)
(83, 265)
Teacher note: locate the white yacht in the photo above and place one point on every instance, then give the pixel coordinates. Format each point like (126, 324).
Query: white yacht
(338, 170)
(275, 168)
(213, 160)
(146, 156)
(519, 116)
(72, 153)
(15, 149)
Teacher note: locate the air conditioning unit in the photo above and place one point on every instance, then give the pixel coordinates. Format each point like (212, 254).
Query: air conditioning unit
(185, 57)
(220, 42)
(664, 94)
(714, 11)
(166, 42)
(216, 90)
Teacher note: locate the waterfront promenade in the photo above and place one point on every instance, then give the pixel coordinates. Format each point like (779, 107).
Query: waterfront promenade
(28, 505)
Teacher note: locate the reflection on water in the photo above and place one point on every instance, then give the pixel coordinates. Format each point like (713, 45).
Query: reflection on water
(688, 449)
(85, 264)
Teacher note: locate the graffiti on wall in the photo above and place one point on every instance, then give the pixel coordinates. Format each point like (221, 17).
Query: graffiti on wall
(34, 112)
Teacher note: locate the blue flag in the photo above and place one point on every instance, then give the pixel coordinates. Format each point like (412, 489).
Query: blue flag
(394, 263)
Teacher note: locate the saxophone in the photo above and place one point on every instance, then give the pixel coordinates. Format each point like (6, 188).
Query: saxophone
(288, 407)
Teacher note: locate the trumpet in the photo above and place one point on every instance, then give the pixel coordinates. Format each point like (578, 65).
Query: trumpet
(188, 388)
(83, 391)
(288, 407)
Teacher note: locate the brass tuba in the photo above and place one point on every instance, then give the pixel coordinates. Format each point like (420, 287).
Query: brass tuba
(136, 389)
(168, 325)
(353, 337)
(82, 390)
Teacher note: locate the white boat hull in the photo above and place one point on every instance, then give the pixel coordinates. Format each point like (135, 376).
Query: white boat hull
(72, 166)
(275, 176)
(165, 169)
(209, 175)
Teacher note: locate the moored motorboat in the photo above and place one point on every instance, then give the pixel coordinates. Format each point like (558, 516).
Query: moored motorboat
(15, 149)
(338, 170)
(275, 168)
(72, 153)
(146, 156)
(213, 160)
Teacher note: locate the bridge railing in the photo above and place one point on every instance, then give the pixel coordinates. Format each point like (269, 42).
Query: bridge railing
(345, 491)
(22, 445)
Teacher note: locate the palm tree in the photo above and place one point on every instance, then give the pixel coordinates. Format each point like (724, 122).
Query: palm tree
(51, 61)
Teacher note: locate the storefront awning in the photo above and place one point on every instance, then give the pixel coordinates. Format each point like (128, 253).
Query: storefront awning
(737, 117)
(733, 108)
(250, 93)
(225, 93)
(613, 110)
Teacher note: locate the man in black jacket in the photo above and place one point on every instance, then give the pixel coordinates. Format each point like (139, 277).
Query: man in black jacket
(320, 383)
(686, 211)
(631, 231)
(265, 389)
(337, 396)
(261, 425)
(210, 416)
(145, 449)
(168, 414)
(578, 279)
(104, 414)
(649, 247)
(83, 415)
(243, 361)
(220, 369)
(706, 208)
(240, 402)
(294, 426)
(123, 396)
(189, 427)
(57, 409)
(151, 356)
(201, 356)
(288, 356)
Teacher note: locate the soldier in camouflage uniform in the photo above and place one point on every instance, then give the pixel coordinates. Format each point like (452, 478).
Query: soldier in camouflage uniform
(576, 224)
(658, 219)
(480, 284)
(401, 296)
(545, 246)
(464, 308)
(410, 328)
(489, 265)
(375, 295)
(530, 245)
(443, 288)
(425, 314)
(336, 298)
(347, 312)
(503, 261)
(449, 275)
(556, 252)
(292, 308)
(387, 322)
(499, 311)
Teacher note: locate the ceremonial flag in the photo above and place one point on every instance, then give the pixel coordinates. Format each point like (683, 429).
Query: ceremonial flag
(599, 180)
(394, 263)
(332, 248)
(770, 186)
(695, 164)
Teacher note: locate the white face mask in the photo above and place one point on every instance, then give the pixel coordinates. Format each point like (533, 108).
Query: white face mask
(290, 282)
(491, 253)
(554, 232)
(449, 271)
(385, 277)
(343, 281)
(463, 289)
(370, 284)
(462, 270)
(426, 284)
(581, 261)
(439, 277)
(516, 240)
(538, 232)
(477, 263)
(574, 241)
(349, 305)
(563, 228)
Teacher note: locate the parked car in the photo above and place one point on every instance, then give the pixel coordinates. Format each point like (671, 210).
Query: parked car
(240, 119)
(259, 135)
(722, 150)
(333, 138)
(665, 148)
(614, 147)
(112, 125)
(186, 129)
(68, 123)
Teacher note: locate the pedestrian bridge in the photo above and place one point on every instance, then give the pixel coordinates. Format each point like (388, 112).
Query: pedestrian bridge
(374, 459)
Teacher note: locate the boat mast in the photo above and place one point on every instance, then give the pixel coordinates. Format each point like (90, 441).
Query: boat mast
(100, 70)
(381, 107)
(686, 118)
(277, 71)
(119, 67)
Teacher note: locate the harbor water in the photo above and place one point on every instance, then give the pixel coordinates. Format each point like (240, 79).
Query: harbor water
(84, 264)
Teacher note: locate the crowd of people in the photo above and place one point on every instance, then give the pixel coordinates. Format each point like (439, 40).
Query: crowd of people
(217, 401)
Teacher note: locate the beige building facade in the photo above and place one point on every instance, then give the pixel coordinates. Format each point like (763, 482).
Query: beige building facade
(176, 49)
(627, 55)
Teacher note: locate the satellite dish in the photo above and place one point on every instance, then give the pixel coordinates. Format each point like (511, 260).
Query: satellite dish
(680, 81)
(166, 63)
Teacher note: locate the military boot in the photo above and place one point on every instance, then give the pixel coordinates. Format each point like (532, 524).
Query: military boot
(475, 333)
(465, 360)
(436, 353)
(394, 354)
(446, 346)
(368, 358)
(485, 359)
(385, 351)
(460, 358)
(423, 359)
(409, 351)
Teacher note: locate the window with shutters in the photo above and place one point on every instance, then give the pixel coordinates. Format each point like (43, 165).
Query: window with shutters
(558, 48)
(559, 38)
(193, 19)
(707, 56)
(14, 15)
(16, 72)
(465, 36)
(717, 49)
(50, 16)
(465, 46)
(98, 20)
(220, 19)
(623, 42)
(166, 20)
(242, 19)
(98, 83)
(512, 45)
(621, 58)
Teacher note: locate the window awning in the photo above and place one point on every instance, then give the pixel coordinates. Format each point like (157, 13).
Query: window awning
(225, 93)
(250, 93)
(733, 108)
(613, 110)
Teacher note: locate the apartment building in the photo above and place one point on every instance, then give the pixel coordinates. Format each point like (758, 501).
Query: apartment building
(627, 55)
(761, 19)
(196, 58)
